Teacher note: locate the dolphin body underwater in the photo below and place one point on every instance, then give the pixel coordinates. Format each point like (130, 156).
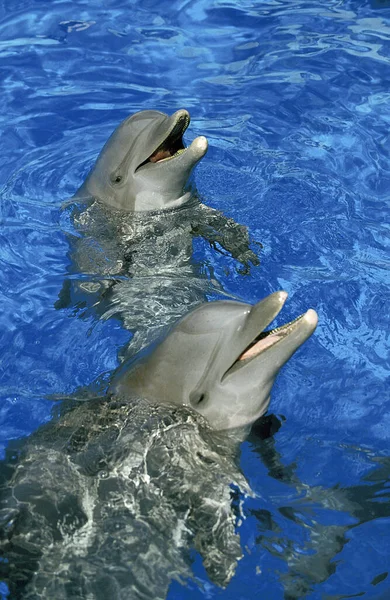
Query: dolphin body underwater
(110, 499)
(134, 220)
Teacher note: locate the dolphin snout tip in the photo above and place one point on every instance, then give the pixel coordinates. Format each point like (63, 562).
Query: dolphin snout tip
(202, 141)
(282, 296)
(311, 318)
(200, 144)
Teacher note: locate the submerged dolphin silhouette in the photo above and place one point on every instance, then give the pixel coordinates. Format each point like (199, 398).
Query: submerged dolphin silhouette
(144, 164)
(109, 499)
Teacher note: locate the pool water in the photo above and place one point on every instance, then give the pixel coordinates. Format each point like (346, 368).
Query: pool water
(293, 96)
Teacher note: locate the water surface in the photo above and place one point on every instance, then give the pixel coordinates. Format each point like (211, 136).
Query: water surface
(294, 99)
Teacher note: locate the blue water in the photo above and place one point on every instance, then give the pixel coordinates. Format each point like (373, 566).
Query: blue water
(294, 99)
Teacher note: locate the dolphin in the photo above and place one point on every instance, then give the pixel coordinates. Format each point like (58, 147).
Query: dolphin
(111, 498)
(133, 226)
(144, 165)
(219, 361)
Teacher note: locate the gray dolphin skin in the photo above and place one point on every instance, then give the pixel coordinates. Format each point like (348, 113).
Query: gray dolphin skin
(110, 499)
(219, 361)
(144, 164)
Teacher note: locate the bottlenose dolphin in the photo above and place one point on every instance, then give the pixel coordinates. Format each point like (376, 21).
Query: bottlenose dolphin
(144, 164)
(133, 225)
(213, 362)
(109, 498)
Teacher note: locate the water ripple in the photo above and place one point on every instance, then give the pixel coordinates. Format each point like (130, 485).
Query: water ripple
(293, 97)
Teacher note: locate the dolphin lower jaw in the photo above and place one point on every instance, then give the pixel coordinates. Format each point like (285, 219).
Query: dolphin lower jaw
(288, 337)
(268, 338)
(197, 149)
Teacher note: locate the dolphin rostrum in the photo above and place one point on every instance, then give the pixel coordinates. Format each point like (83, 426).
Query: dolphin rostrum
(110, 498)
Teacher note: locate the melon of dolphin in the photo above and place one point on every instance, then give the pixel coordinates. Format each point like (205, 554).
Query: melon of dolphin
(144, 164)
(220, 361)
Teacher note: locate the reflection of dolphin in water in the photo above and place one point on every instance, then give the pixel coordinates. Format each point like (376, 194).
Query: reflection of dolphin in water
(108, 500)
(136, 217)
(321, 519)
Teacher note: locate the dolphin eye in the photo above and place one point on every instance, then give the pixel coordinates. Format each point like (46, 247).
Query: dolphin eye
(198, 399)
(116, 178)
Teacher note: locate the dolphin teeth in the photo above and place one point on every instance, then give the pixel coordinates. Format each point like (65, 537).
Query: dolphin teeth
(282, 326)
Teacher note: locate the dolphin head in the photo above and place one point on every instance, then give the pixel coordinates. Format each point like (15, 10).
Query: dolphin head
(144, 164)
(220, 361)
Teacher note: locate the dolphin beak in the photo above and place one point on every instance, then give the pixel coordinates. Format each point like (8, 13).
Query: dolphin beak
(279, 343)
(265, 311)
(171, 146)
(304, 325)
(170, 143)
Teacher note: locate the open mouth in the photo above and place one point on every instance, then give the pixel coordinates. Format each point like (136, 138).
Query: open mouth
(265, 340)
(173, 144)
